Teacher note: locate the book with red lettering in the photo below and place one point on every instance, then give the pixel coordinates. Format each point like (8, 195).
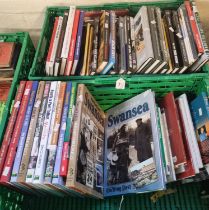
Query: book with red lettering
(72, 44)
(189, 167)
(174, 130)
(194, 27)
(5, 177)
(10, 126)
(49, 63)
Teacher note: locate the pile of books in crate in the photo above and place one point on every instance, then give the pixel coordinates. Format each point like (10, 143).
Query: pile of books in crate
(59, 140)
(9, 54)
(154, 41)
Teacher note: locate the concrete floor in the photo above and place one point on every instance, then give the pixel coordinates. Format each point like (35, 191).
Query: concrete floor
(203, 7)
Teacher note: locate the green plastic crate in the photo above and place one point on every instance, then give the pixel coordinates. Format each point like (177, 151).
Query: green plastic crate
(21, 72)
(37, 69)
(187, 196)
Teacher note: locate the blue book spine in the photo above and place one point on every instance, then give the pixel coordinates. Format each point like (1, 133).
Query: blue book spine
(24, 132)
(78, 41)
(112, 49)
(56, 178)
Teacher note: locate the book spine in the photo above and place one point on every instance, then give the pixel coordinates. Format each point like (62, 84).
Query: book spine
(78, 42)
(83, 70)
(128, 27)
(11, 123)
(55, 132)
(66, 145)
(52, 42)
(133, 49)
(71, 175)
(200, 29)
(194, 28)
(57, 179)
(94, 63)
(72, 44)
(60, 44)
(68, 34)
(190, 34)
(122, 46)
(37, 137)
(112, 38)
(24, 132)
(117, 48)
(31, 132)
(5, 177)
(55, 45)
(106, 36)
(42, 154)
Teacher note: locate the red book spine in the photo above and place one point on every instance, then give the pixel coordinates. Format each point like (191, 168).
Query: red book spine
(5, 177)
(72, 44)
(65, 158)
(195, 31)
(189, 169)
(52, 39)
(10, 126)
(174, 130)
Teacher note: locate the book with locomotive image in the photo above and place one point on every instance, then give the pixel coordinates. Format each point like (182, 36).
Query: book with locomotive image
(132, 160)
(85, 171)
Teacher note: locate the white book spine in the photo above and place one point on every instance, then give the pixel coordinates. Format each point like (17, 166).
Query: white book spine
(42, 155)
(68, 32)
(54, 48)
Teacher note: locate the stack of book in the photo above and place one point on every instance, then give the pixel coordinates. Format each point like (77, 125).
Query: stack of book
(58, 140)
(154, 41)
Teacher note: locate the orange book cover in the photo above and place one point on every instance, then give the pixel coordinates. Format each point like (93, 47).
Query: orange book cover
(6, 52)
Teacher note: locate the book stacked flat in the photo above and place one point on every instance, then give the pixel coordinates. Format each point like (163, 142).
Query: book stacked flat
(154, 41)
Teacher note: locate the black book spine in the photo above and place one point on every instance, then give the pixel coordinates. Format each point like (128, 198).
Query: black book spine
(189, 30)
(171, 40)
(130, 60)
(179, 37)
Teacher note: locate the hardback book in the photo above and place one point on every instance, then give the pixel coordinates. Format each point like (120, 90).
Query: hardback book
(94, 58)
(78, 42)
(205, 56)
(31, 132)
(122, 55)
(24, 132)
(6, 53)
(72, 44)
(58, 59)
(67, 38)
(85, 57)
(132, 154)
(7, 169)
(52, 145)
(68, 133)
(180, 43)
(200, 113)
(133, 48)
(112, 39)
(11, 124)
(194, 28)
(30, 170)
(164, 51)
(103, 41)
(155, 40)
(174, 130)
(42, 153)
(85, 172)
(143, 41)
(171, 41)
(90, 50)
(190, 132)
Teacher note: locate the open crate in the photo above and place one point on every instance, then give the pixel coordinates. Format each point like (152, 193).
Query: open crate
(38, 67)
(186, 197)
(21, 72)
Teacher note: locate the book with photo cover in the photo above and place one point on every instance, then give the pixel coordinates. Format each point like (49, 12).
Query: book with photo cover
(132, 158)
(85, 171)
(200, 113)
